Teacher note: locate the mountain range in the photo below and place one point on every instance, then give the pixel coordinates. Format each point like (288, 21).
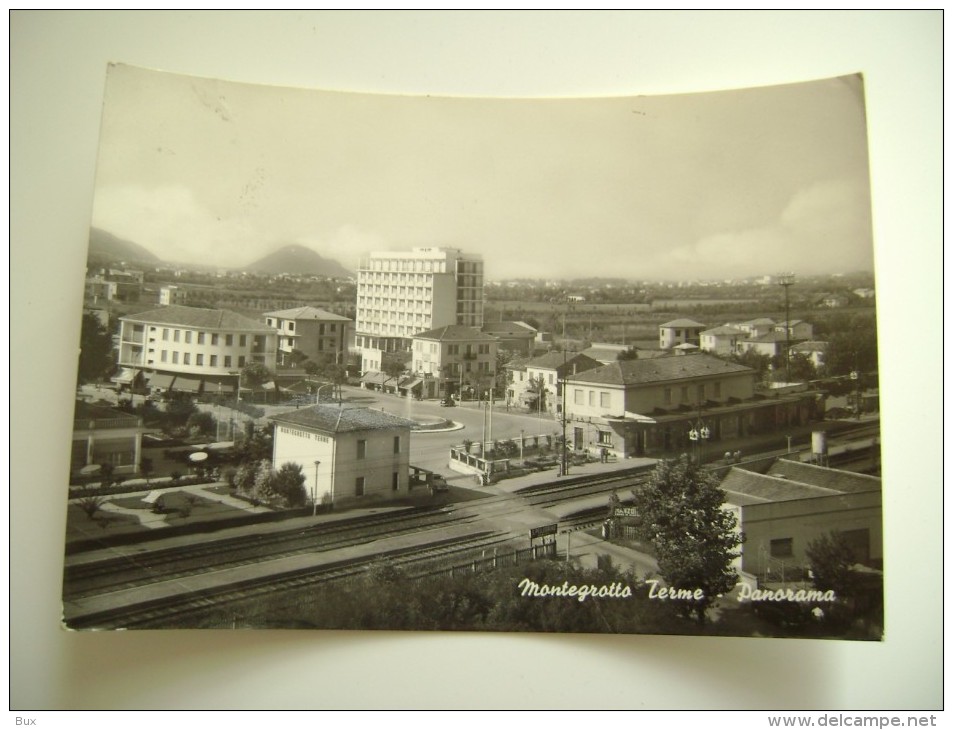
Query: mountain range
(296, 259)
(105, 248)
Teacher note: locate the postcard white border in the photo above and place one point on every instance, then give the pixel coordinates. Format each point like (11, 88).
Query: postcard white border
(58, 63)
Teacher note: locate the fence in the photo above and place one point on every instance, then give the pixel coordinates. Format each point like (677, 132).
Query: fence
(496, 560)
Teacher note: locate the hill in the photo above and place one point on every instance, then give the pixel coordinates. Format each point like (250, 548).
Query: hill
(105, 247)
(297, 259)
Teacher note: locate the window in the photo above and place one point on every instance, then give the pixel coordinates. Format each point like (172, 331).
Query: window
(291, 327)
(188, 337)
(592, 397)
(164, 357)
(603, 400)
(200, 359)
(175, 335)
(550, 378)
(396, 444)
(361, 448)
(200, 339)
(782, 548)
(175, 357)
(213, 361)
(395, 481)
(667, 397)
(605, 438)
(228, 361)
(718, 390)
(333, 327)
(214, 339)
(241, 361)
(165, 333)
(186, 358)
(228, 340)
(701, 393)
(578, 398)
(242, 340)
(359, 487)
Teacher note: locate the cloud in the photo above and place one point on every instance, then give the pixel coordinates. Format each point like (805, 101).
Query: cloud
(823, 228)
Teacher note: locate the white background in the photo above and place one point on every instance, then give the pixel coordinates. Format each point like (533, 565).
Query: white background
(58, 66)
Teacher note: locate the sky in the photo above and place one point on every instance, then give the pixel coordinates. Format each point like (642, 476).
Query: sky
(715, 185)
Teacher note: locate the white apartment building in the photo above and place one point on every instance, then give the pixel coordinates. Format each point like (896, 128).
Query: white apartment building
(191, 349)
(401, 293)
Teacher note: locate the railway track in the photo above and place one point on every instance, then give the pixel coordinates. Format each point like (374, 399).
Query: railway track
(138, 569)
(177, 610)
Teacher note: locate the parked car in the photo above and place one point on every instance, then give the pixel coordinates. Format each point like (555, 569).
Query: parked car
(448, 402)
(438, 484)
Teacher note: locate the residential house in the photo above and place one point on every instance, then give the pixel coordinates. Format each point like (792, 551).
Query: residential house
(798, 329)
(757, 327)
(834, 301)
(723, 340)
(517, 337)
(540, 385)
(783, 510)
(649, 407)
(103, 435)
(317, 334)
(193, 350)
(771, 344)
(815, 350)
(346, 454)
(453, 359)
(679, 331)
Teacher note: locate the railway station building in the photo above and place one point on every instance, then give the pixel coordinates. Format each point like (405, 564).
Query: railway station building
(651, 407)
(347, 455)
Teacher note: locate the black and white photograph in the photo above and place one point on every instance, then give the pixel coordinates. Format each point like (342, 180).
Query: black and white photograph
(446, 360)
(361, 361)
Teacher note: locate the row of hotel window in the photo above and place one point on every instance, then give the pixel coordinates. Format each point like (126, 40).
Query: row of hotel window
(455, 368)
(200, 337)
(579, 396)
(362, 447)
(434, 348)
(199, 359)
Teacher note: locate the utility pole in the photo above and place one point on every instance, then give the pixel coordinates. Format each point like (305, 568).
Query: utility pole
(787, 280)
(563, 460)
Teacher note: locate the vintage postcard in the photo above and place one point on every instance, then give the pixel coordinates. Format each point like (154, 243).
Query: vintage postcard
(600, 365)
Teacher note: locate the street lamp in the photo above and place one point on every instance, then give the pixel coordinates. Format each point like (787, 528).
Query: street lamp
(314, 491)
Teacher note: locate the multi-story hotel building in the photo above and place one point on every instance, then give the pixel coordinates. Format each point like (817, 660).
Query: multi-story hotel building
(191, 350)
(401, 293)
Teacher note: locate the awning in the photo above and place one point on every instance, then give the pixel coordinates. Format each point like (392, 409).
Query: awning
(269, 386)
(126, 375)
(161, 380)
(216, 387)
(410, 383)
(187, 385)
(374, 376)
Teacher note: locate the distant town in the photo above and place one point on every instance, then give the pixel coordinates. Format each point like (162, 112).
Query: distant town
(412, 421)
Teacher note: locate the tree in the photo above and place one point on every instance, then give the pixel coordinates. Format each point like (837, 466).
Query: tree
(802, 368)
(392, 365)
(537, 389)
(830, 558)
(630, 354)
(95, 350)
(201, 423)
(264, 480)
(254, 375)
(680, 512)
(91, 505)
(289, 484)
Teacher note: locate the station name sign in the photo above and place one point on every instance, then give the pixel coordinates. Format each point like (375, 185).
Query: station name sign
(543, 531)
